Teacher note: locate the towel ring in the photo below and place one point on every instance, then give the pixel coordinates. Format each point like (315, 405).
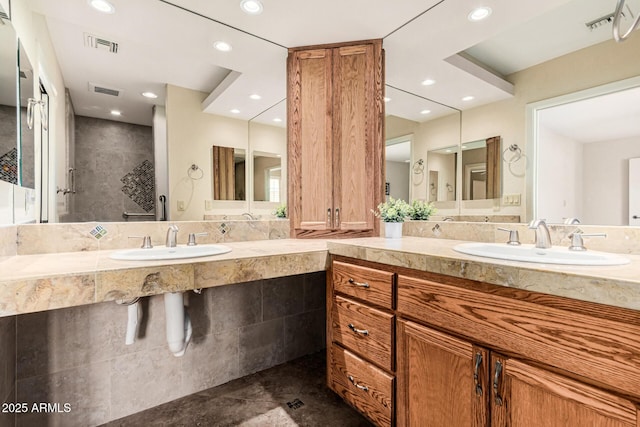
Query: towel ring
(192, 169)
(516, 156)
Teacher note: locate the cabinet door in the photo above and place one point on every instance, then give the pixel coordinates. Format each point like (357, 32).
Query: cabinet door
(357, 135)
(310, 138)
(523, 395)
(442, 380)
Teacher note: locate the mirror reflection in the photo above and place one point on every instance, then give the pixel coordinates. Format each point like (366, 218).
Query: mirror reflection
(267, 177)
(8, 115)
(481, 169)
(442, 166)
(26, 160)
(397, 164)
(229, 173)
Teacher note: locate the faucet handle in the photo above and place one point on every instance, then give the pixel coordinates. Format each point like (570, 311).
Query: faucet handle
(192, 238)
(514, 237)
(577, 244)
(146, 241)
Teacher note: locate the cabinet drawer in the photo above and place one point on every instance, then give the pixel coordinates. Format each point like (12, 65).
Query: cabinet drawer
(362, 385)
(368, 284)
(365, 330)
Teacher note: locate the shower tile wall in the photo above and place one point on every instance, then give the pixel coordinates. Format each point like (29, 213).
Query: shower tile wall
(7, 368)
(8, 153)
(78, 356)
(105, 152)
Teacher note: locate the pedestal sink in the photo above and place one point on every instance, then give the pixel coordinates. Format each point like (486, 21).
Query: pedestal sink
(163, 252)
(529, 253)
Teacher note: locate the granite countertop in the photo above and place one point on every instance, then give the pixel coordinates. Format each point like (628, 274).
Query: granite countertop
(32, 283)
(612, 285)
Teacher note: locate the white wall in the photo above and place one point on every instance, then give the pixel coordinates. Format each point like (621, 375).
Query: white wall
(606, 181)
(560, 177)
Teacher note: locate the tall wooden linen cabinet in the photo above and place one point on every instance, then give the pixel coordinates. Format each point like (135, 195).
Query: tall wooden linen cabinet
(335, 113)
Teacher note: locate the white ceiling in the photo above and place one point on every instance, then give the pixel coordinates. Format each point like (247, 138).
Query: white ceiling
(162, 42)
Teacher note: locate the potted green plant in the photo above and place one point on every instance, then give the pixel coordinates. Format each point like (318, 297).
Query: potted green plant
(281, 211)
(421, 210)
(393, 213)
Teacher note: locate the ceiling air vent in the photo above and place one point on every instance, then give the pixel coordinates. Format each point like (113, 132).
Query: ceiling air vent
(96, 88)
(100, 43)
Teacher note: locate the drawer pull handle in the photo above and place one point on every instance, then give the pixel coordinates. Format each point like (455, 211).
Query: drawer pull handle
(360, 386)
(356, 330)
(360, 284)
(475, 374)
(496, 379)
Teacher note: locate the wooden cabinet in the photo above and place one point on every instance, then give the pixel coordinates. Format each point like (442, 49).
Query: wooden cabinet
(442, 380)
(361, 339)
(335, 114)
(473, 354)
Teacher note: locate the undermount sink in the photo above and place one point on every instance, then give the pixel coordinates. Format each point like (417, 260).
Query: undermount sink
(163, 252)
(529, 253)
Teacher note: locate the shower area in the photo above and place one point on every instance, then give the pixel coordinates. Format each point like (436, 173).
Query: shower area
(111, 173)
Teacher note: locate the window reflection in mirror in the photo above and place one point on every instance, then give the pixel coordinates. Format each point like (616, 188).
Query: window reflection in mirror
(481, 169)
(267, 177)
(441, 167)
(229, 172)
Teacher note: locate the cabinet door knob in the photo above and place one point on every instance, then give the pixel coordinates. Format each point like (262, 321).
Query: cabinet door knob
(359, 284)
(329, 217)
(356, 330)
(337, 217)
(360, 386)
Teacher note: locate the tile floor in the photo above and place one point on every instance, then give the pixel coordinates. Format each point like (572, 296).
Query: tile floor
(291, 394)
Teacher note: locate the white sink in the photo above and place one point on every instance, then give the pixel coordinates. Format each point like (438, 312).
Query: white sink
(529, 253)
(162, 252)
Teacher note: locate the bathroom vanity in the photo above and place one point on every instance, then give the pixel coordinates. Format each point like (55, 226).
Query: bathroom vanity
(415, 337)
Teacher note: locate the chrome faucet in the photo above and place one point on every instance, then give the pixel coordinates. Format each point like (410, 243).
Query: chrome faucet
(172, 236)
(249, 216)
(571, 221)
(543, 238)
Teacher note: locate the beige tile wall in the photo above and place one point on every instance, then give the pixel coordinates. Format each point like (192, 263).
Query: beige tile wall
(72, 237)
(78, 355)
(8, 245)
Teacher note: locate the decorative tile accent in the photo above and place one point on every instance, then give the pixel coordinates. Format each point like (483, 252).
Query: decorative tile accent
(98, 232)
(9, 166)
(223, 228)
(139, 185)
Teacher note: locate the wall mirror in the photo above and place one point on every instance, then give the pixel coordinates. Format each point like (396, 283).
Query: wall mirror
(229, 173)
(588, 156)
(417, 129)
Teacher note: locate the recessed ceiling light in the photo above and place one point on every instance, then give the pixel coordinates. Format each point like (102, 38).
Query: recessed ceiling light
(116, 113)
(102, 6)
(235, 111)
(425, 111)
(255, 96)
(252, 7)
(428, 82)
(447, 151)
(464, 147)
(277, 120)
(149, 95)
(387, 99)
(222, 46)
(479, 13)
(468, 98)
(407, 161)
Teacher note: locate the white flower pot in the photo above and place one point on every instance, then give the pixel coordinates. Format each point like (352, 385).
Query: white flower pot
(393, 230)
